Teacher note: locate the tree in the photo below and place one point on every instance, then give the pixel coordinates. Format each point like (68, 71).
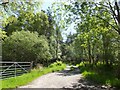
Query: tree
(93, 29)
(56, 16)
(22, 15)
(28, 21)
(26, 46)
(115, 12)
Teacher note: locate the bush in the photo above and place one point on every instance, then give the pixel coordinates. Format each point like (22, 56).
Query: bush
(57, 63)
(26, 46)
(2, 34)
(100, 74)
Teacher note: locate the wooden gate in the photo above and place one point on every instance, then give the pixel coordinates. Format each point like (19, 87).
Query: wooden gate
(13, 69)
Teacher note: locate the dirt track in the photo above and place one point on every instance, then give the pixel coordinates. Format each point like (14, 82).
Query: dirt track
(63, 79)
(66, 79)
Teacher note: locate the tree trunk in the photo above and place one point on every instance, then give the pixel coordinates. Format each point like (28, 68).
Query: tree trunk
(89, 51)
(105, 49)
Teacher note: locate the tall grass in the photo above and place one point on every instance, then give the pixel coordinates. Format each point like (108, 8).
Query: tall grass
(26, 78)
(100, 74)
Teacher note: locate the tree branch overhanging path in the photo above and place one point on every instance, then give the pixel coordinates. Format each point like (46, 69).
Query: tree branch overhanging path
(114, 11)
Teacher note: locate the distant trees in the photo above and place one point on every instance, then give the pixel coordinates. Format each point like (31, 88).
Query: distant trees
(55, 18)
(28, 21)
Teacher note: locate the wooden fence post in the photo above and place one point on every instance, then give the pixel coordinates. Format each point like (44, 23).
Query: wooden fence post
(15, 69)
(31, 65)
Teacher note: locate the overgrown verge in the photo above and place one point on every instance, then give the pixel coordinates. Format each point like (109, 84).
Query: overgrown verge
(100, 74)
(26, 78)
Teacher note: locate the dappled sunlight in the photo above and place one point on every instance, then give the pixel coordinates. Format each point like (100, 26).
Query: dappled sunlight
(69, 72)
(82, 36)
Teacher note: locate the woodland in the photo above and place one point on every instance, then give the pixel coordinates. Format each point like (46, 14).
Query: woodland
(29, 33)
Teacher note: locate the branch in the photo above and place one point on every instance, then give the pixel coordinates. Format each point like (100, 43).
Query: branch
(114, 15)
(118, 16)
(107, 23)
(111, 10)
(102, 5)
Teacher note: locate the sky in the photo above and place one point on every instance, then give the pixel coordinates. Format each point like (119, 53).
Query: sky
(47, 3)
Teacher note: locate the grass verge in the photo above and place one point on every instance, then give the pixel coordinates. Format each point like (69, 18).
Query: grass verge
(100, 74)
(26, 78)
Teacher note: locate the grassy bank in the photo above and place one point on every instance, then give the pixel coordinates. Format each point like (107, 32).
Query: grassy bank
(26, 78)
(100, 74)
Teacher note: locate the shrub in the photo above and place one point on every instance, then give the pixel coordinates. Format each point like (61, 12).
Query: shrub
(26, 46)
(2, 34)
(57, 63)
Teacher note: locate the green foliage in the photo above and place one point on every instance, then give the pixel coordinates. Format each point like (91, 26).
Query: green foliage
(27, 78)
(57, 63)
(26, 46)
(100, 74)
(28, 21)
(96, 40)
(52, 46)
(2, 34)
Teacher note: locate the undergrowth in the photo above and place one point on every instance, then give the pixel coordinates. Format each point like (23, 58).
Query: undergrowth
(100, 74)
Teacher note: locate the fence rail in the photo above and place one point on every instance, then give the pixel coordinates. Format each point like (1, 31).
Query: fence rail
(13, 69)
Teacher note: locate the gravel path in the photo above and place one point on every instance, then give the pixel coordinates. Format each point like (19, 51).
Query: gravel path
(66, 79)
(63, 79)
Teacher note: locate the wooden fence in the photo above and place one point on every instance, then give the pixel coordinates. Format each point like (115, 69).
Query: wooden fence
(13, 69)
